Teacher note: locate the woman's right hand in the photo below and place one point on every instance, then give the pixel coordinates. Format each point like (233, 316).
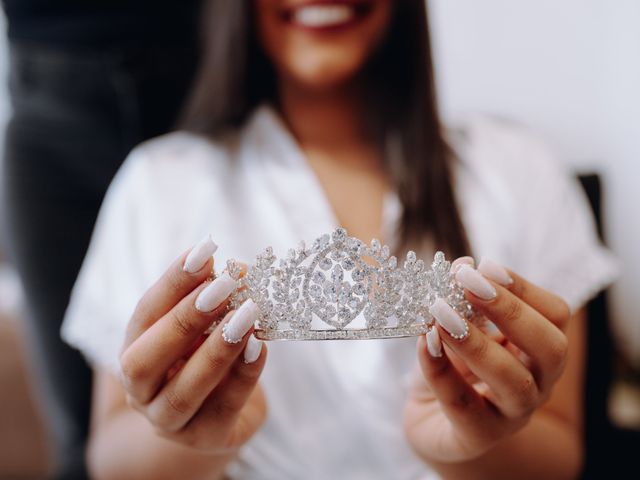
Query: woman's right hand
(197, 390)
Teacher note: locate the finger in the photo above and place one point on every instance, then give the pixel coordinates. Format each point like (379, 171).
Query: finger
(513, 388)
(461, 403)
(549, 305)
(145, 363)
(183, 395)
(524, 326)
(184, 274)
(230, 398)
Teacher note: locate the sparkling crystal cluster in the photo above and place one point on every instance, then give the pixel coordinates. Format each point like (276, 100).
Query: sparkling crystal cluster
(340, 279)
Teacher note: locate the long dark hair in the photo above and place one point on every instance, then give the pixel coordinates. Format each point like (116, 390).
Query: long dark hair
(236, 76)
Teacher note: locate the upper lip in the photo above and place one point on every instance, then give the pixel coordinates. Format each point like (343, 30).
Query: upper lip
(305, 3)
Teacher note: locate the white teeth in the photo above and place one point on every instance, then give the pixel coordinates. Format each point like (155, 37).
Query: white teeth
(323, 15)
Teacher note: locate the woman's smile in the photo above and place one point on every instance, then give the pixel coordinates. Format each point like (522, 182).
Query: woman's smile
(326, 15)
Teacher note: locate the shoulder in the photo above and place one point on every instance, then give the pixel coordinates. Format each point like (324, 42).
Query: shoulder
(175, 168)
(503, 149)
(182, 152)
(510, 183)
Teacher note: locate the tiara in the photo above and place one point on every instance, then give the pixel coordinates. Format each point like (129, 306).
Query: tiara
(343, 289)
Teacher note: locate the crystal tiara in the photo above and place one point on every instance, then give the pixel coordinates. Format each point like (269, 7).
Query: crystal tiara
(343, 289)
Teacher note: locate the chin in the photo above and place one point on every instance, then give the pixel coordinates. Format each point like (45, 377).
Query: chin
(326, 71)
(322, 44)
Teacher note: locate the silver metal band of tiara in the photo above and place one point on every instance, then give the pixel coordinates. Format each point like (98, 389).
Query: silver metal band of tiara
(340, 288)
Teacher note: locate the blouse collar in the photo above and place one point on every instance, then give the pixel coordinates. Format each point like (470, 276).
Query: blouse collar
(273, 145)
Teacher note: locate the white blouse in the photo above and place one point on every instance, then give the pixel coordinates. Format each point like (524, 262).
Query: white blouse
(335, 408)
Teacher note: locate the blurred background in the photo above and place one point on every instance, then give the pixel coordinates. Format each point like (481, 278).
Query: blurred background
(568, 69)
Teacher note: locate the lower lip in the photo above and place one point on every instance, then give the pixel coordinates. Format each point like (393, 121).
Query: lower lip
(360, 12)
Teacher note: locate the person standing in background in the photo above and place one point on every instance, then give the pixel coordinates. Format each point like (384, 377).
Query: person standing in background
(88, 81)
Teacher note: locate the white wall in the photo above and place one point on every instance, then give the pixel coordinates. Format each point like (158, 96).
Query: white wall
(571, 70)
(568, 68)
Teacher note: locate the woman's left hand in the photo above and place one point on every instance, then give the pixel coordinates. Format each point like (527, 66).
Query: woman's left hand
(483, 387)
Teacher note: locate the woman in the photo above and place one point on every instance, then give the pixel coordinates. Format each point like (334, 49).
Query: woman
(308, 116)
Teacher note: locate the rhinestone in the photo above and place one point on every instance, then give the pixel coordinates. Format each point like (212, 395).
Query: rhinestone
(358, 275)
(339, 235)
(315, 291)
(325, 263)
(331, 291)
(319, 277)
(348, 263)
(360, 288)
(337, 274)
(356, 247)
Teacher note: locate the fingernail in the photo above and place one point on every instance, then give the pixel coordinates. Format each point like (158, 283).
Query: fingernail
(215, 293)
(473, 281)
(434, 344)
(252, 349)
(241, 321)
(495, 272)
(458, 262)
(199, 255)
(449, 319)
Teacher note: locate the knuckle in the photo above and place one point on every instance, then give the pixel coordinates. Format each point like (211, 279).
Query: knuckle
(133, 370)
(176, 404)
(512, 310)
(558, 350)
(562, 312)
(519, 289)
(141, 310)
(174, 280)
(525, 394)
(224, 408)
(214, 358)
(167, 411)
(183, 323)
(478, 349)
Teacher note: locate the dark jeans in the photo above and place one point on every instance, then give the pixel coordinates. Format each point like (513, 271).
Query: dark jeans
(76, 116)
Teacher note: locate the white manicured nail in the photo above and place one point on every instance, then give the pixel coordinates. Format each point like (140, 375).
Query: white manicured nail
(449, 319)
(241, 321)
(458, 262)
(200, 254)
(495, 272)
(473, 281)
(252, 349)
(211, 297)
(434, 344)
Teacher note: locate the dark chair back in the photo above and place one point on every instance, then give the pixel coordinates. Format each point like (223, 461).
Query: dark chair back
(609, 450)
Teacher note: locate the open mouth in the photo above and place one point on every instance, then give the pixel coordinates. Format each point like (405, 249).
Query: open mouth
(327, 15)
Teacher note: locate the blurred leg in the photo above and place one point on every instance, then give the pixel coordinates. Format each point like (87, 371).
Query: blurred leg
(74, 121)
